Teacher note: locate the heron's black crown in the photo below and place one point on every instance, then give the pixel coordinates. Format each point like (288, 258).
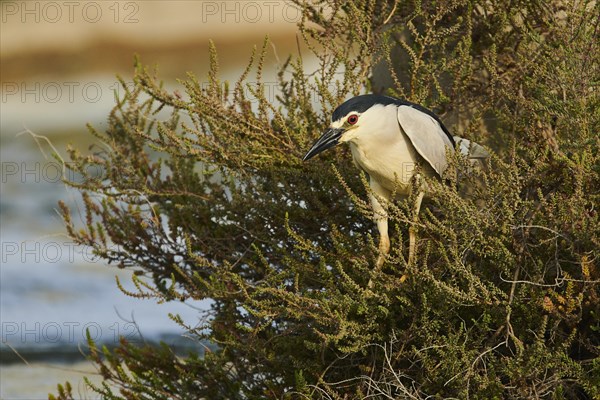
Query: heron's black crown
(363, 102)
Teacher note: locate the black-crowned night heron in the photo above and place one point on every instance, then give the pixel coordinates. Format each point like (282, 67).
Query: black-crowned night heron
(388, 137)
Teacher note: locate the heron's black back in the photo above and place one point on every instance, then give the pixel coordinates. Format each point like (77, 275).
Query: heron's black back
(363, 102)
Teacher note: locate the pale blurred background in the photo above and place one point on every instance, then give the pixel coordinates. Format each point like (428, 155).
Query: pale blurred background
(59, 61)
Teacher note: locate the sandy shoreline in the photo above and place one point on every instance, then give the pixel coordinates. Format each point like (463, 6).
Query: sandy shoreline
(36, 380)
(55, 40)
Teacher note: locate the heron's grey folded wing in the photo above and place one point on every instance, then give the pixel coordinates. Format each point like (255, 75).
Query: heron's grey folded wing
(426, 135)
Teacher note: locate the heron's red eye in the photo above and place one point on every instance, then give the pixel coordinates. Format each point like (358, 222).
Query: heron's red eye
(353, 119)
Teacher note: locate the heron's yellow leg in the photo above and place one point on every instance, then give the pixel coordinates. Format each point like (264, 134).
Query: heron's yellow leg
(381, 219)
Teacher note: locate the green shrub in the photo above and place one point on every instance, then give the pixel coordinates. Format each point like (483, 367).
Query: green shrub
(214, 202)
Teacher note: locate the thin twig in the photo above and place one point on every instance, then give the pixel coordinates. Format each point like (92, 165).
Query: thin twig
(391, 13)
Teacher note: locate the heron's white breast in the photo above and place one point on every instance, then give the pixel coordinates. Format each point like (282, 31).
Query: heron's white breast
(382, 149)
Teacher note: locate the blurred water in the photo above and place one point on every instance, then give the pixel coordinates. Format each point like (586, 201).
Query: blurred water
(52, 292)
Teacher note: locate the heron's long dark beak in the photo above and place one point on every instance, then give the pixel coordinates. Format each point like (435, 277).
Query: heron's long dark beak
(329, 139)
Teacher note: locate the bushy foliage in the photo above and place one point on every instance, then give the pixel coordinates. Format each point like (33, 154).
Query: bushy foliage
(214, 202)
